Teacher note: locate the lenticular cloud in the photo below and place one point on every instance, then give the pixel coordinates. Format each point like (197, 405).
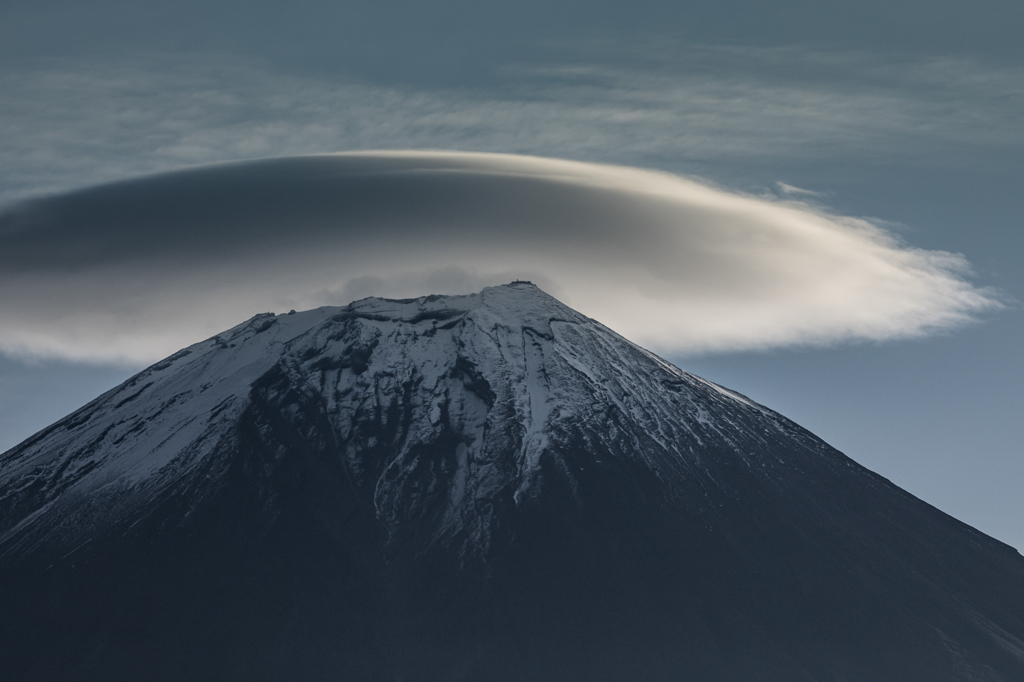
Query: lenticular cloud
(137, 269)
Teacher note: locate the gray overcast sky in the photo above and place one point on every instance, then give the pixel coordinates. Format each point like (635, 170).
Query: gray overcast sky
(911, 113)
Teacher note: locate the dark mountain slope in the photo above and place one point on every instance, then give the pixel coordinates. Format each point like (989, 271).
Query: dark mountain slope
(487, 487)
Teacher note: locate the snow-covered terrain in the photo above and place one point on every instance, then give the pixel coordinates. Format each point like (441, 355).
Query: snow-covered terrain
(490, 486)
(509, 369)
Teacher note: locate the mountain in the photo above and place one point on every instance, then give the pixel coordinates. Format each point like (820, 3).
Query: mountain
(488, 487)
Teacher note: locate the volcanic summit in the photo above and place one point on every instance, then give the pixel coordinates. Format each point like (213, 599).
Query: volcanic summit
(484, 487)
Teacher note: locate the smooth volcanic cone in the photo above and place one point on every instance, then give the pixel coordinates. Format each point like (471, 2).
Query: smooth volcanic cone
(481, 487)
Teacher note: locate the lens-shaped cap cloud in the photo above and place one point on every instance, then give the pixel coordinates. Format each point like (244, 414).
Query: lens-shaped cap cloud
(134, 270)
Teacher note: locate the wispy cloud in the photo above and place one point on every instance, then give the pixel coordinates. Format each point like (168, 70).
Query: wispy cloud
(66, 126)
(135, 270)
(791, 190)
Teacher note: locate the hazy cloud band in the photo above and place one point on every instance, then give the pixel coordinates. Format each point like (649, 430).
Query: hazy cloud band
(137, 269)
(67, 124)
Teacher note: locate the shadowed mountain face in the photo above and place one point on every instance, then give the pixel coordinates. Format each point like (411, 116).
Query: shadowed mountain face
(487, 487)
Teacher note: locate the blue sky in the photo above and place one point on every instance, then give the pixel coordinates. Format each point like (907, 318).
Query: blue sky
(908, 114)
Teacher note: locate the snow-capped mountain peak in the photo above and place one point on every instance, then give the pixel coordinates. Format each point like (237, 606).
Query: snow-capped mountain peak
(489, 486)
(511, 371)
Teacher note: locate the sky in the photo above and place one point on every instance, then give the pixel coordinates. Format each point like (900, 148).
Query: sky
(816, 204)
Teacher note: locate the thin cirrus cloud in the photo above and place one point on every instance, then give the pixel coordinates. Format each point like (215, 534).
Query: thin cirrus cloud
(136, 269)
(65, 124)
